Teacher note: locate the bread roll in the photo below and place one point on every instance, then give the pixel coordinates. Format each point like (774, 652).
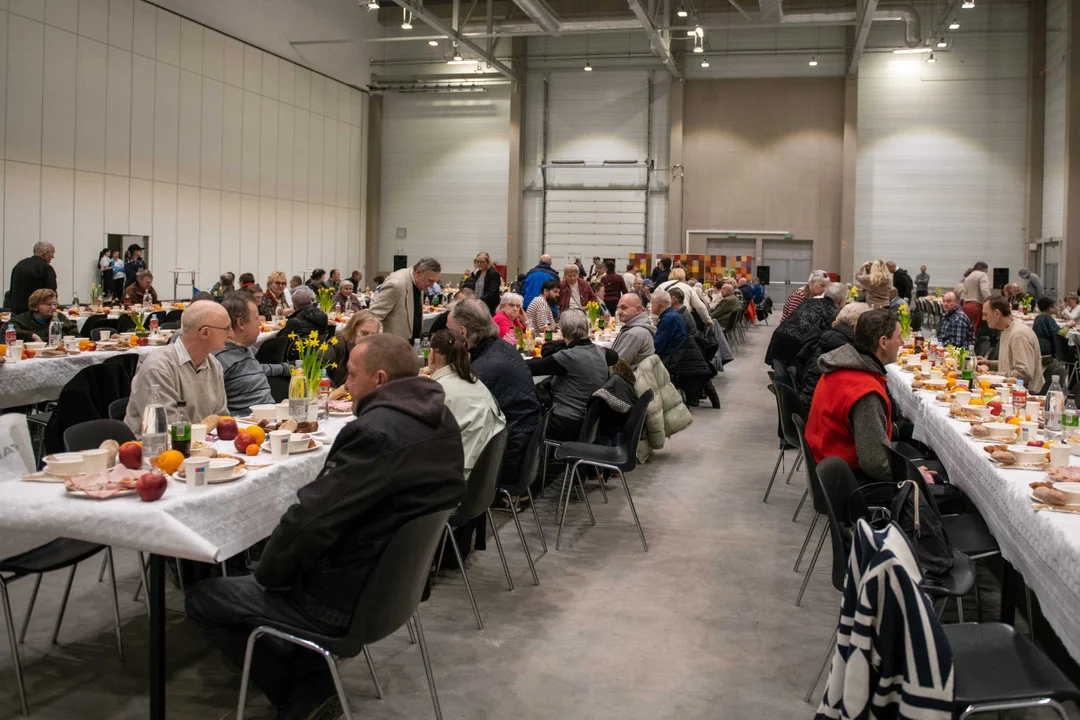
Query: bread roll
(1050, 496)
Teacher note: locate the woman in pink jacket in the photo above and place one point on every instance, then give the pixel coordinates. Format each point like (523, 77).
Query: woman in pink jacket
(510, 317)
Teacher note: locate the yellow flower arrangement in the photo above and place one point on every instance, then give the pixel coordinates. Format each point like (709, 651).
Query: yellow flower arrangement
(593, 310)
(325, 298)
(311, 352)
(905, 320)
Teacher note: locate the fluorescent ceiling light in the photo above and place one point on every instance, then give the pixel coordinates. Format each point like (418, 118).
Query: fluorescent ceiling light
(954, 25)
(913, 51)
(931, 59)
(705, 62)
(460, 61)
(681, 12)
(457, 54)
(813, 62)
(942, 43)
(588, 66)
(433, 43)
(699, 49)
(691, 32)
(699, 31)
(373, 5)
(968, 4)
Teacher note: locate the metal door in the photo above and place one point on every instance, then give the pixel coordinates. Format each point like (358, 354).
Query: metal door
(1047, 266)
(789, 264)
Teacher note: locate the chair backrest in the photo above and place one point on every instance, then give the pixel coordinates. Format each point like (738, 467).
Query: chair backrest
(95, 322)
(128, 361)
(790, 404)
(394, 588)
(809, 464)
(118, 408)
(631, 432)
(170, 326)
(837, 485)
(90, 435)
(530, 459)
(904, 469)
(782, 374)
(85, 397)
(482, 480)
(125, 324)
(273, 350)
(1062, 350)
(590, 426)
(173, 316)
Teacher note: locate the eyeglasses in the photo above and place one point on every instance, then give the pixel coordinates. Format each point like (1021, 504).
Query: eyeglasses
(215, 327)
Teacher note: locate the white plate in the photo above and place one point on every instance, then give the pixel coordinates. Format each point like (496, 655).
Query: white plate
(341, 414)
(1042, 467)
(1040, 502)
(318, 444)
(991, 440)
(237, 474)
(82, 494)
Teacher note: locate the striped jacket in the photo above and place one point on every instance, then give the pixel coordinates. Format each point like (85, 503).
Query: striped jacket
(892, 658)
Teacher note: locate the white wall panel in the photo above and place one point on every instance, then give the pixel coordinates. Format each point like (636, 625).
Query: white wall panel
(287, 83)
(213, 55)
(301, 156)
(267, 239)
(141, 207)
(315, 236)
(303, 87)
(57, 221)
(268, 150)
(355, 251)
(143, 81)
(316, 160)
(234, 62)
(318, 94)
(58, 111)
(89, 230)
(210, 145)
(117, 205)
(166, 121)
(63, 14)
(249, 233)
(252, 69)
(33, 9)
(232, 139)
(300, 249)
(342, 162)
(252, 143)
(118, 113)
(189, 160)
(163, 247)
(94, 20)
(284, 244)
(26, 44)
(144, 35)
(341, 255)
(91, 105)
(270, 70)
(330, 158)
(168, 38)
(230, 232)
(187, 231)
(3, 87)
(1053, 215)
(356, 160)
(209, 238)
(121, 17)
(329, 233)
(286, 150)
(22, 213)
(191, 46)
(330, 98)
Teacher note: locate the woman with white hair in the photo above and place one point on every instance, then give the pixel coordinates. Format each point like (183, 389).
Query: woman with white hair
(809, 319)
(306, 318)
(346, 299)
(511, 317)
(577, 370)
(841, 333)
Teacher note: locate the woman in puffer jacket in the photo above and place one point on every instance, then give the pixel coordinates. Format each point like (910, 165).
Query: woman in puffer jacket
(841, 333)
(667, 414)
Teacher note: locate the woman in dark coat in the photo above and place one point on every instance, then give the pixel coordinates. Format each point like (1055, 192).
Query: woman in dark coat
(305, 318)
(489, 280)
(841, 333)
(809, 319)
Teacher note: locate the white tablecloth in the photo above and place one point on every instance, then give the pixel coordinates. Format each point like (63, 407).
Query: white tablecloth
(429, 318)
(1044, 547)
(41, 379)
(208, 525)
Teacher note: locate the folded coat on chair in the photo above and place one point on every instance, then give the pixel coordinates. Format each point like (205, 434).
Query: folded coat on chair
(667, 414)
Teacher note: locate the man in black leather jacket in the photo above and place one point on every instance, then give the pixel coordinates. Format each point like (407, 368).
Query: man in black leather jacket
(401, 458)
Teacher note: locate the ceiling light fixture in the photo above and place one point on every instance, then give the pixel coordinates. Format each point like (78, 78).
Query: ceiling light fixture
(968, 4)
(699, 31)
(691, 32)
(457, 54)
(588, 66)
(705, 62)
(406, 19)
(954, 25)
(433, 43)
(813, 61)
(931, 59)
(681, 12)
(913, 51)
(942, 43)
(373, 5)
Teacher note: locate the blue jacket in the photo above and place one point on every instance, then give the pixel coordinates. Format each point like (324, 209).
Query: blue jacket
(759, 294)
(670, 332)
(534, 282)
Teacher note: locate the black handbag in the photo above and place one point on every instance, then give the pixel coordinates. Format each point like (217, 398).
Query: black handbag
(918, 517)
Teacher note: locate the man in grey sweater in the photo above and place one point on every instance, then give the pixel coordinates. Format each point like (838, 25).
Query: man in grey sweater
(246, 379)
(635, 340)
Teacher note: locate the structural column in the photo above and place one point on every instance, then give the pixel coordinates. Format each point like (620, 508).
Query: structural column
(675, 229)
(373, 197)
(847, 197)
(1036, 129)
(514, 228)
(1071, 245)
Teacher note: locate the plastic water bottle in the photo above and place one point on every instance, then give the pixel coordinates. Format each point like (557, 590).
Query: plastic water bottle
(56, 332)
(1019, 398)
(147, 300)
(155, 425)
(1070, 421)
(416, 348)
(1055, 406)
(153, 324)
(324, 396)
(9, 335)
(298, 395)
(75, 300)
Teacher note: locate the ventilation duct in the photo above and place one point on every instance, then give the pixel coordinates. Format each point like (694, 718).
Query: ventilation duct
(905, 13)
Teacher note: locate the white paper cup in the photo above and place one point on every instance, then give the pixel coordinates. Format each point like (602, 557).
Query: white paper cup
(925, 366)
(962, 384)
(195, 469)
(281, 412)
(279, 444)
(14, 353)
(1029, 430)
(105, 333)
(963, 397)
(1031, 409)
(198, 432)
(936, 375)
(1059, 454)
(95, 461)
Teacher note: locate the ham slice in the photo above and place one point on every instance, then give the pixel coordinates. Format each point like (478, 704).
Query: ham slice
(1065, 474)
(340, 406)
(103, 485)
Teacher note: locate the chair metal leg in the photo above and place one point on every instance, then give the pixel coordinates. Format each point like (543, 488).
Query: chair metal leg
(772, 479)
(63, 603)
(438, 563)
(180, 576)
(806, 541)
(143, 583)
(600, 480)
(101, 572)
(115, 604)
(14, 646)
(794, 466)
(536, 517)
(813, 561)
(960, 608)
(465, 577)
(427, 664)
(371, 668)
(412, 634)
(585, 496)
(498, 544)
(824, 663)
(224, 570)
(629, 499)
(521, 536)
(1000, 707)
(30, 608)
(346, 713)
(543, 467)
(562, 518)
(798, 508)
(1030, 614)
(978, 601)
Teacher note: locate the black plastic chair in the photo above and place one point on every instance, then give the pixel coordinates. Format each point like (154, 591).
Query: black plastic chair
(273, 350)
(1066, 357)
(118, 408)
(477, 502)
(95, 333)
(170, 326)
(97, 321)
(813, 488)
(90, 435)
(530, 463)
(787, 403)
(390, 599)
(173, 316)
(128, 361)
(622, 459)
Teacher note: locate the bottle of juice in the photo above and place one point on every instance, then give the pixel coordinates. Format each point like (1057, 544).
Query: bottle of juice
(1019, 399)
(298, 395)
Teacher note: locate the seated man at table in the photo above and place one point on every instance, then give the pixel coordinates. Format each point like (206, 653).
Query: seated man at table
(135, 292)
(401, 458)
(670, 328)
(634, 342)
(187, 369)
(33, 325)
(955, 328)
(246, 379)
(1018, 351)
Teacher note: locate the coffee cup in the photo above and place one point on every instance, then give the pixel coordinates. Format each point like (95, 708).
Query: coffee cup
(1031, 409)
(198, 432)
(962, 384)
(936, 375)
(95, 461)
(195, 472)
(925, 367)
(1059, 454)
(281, 412)
(14, 353)
(963, 397)
(279, 444)
(1029, 430)
(104, 334)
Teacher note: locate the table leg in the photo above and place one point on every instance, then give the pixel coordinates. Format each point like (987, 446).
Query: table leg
(1008, 593)
(156, 593)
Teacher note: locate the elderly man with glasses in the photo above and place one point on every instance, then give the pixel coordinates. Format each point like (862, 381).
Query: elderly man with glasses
(187, 370)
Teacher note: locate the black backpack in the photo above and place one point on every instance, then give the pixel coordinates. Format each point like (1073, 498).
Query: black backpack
(917, 515)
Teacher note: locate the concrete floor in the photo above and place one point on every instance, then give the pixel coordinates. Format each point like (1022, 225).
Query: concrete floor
(701, 626)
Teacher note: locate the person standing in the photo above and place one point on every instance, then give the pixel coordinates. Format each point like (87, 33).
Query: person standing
(400, 302)
(901, 281)
(976, 292)
(536, 278)
(133, 263)
(922, 282)
(614, 287)
(1035, 286)
(661, 271)
(874, 277)
(30, 274)
(105, 268)
(485, 281)
(118, 276)
(630, 276)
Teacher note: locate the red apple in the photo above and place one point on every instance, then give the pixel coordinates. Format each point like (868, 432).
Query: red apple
(242, 441)
(1034, 443)
(143, 342)
(151, 486)
(130, 455)
(226, 428)
(995, 407)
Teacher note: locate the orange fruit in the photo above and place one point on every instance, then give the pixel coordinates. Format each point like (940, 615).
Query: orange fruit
(984, 384)
(170, 461)
(1013, 421)
(251, 449)
(257, 433)
(976, 401)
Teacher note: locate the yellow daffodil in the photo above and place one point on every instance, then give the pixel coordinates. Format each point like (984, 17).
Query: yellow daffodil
(332, 365)
(333, 340)
(292, 336)
(313, 334)
(324, 347)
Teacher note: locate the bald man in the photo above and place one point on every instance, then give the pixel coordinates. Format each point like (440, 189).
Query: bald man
(635, 340)
(536, 278)
(186, 370)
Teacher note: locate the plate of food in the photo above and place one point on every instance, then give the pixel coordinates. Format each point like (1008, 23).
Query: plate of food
(222, 469)
(299, 443)
(340, 408)
(1019, 457)
(117, 482)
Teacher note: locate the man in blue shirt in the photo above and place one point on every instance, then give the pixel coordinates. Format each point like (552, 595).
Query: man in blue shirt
(670, 329)
(534, 281)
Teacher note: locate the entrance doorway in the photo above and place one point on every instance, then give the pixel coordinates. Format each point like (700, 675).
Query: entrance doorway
(789, 264)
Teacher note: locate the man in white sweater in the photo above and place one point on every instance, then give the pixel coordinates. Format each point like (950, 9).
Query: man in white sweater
(1019, 354)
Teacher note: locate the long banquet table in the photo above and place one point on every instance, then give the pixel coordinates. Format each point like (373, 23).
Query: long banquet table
(1044, 547)
(207, 525)
(41, 379)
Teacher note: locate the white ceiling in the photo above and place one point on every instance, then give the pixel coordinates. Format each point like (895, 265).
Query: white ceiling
(275, 25)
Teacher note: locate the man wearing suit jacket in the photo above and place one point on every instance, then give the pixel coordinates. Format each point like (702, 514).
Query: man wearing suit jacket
(400, 302)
